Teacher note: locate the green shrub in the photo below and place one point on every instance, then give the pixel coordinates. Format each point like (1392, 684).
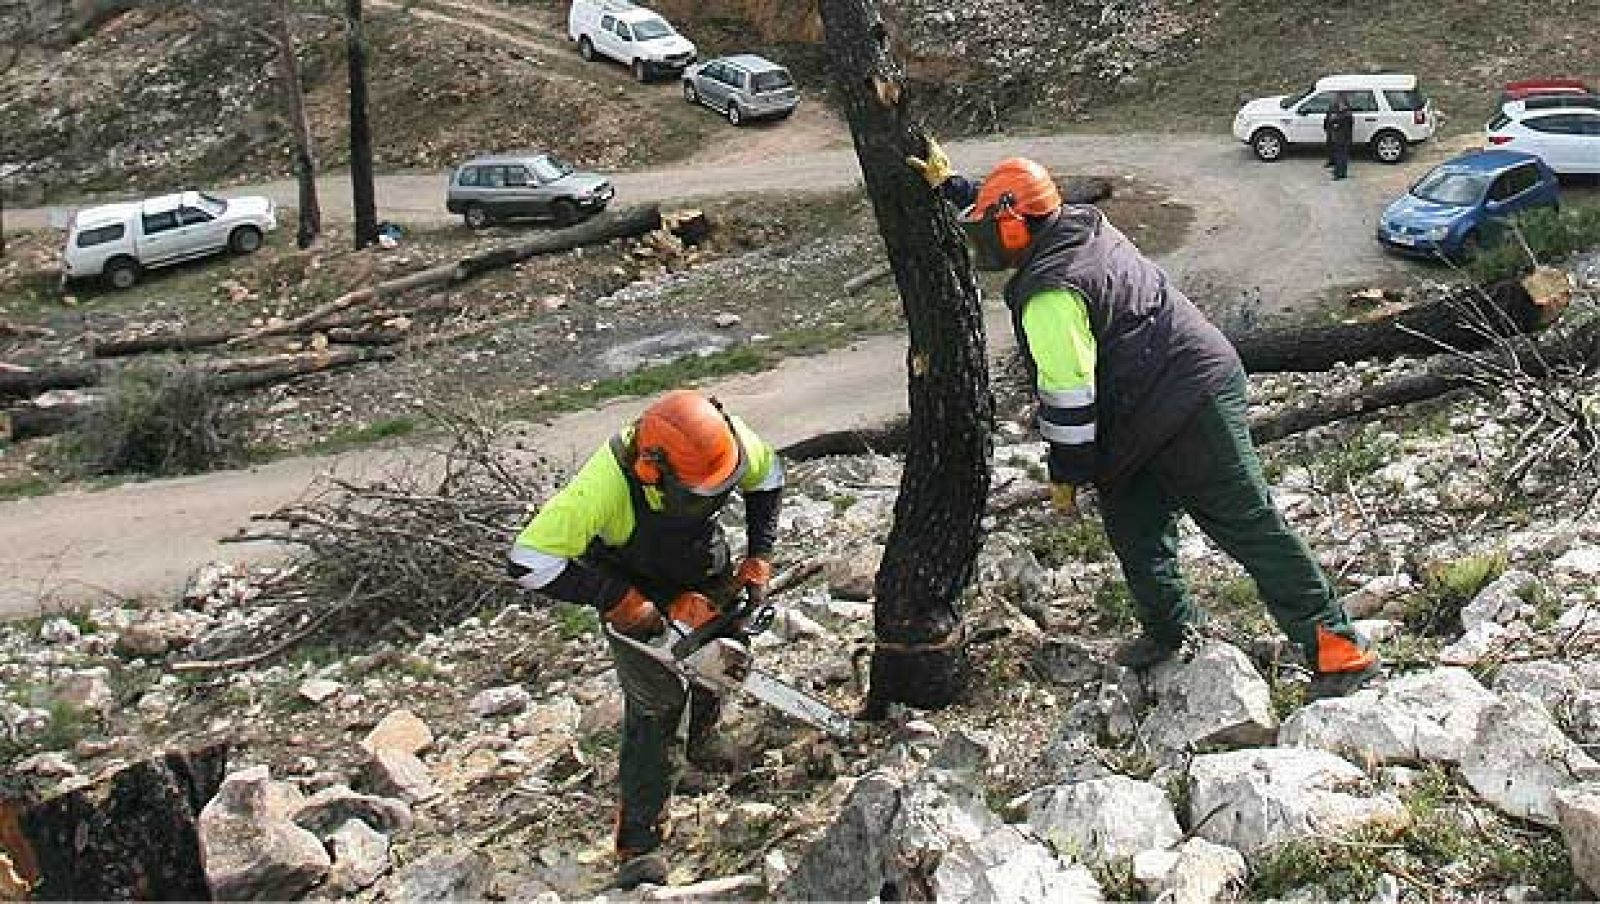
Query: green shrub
(1550, 235)
(1361, 454)
(155, 423)
(1449, 586)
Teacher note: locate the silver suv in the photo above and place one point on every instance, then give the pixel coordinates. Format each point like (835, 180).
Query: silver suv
(742, 87)
(510, 186)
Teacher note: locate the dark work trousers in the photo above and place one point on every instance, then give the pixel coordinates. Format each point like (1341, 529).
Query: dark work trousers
(661, 716)
(1210, 471)
(1341, 159)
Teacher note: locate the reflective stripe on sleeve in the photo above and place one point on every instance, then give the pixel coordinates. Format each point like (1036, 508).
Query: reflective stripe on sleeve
(1067, 398)
(1067, 434)
(542, 567)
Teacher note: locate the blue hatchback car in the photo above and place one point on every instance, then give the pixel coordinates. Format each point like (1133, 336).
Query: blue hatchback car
(1461, 205)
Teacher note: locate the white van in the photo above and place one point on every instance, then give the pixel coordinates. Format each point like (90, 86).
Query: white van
(1390, 116)
(629, 34)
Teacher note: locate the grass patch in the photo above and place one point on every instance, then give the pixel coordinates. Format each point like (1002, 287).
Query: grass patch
(1448, 586)
(377, 431)
(26, 486)
(574, 621)
(1486, 854)
(1114, 603)
(1349, 461)
(1076, 540)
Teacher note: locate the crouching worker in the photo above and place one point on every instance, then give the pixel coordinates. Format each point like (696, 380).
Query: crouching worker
(635, 534)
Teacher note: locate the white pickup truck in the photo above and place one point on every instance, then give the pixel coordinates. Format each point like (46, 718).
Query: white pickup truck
(119, 241)
(629, 34)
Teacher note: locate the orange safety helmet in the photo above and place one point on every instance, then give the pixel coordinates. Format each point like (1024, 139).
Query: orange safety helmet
(996, 224)
(684, 441)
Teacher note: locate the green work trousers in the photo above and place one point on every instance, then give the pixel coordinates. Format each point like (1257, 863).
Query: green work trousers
(1210, 470)
(661, 714)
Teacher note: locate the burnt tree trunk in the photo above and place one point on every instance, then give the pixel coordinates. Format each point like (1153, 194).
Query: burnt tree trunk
(363, 191)
(294, 107)
(920, 657)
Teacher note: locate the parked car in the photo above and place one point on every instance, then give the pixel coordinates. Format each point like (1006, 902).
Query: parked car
(1543, 87)
(1463, 204)
(629, 34)
(118, 242)
(742, 88)
(525, 185)
(1565, 135)
(1391, 114)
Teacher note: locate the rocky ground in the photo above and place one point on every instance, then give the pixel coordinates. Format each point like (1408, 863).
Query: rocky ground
(484, 751)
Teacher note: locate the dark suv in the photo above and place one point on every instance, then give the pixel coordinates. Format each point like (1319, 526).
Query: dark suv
(511, 186)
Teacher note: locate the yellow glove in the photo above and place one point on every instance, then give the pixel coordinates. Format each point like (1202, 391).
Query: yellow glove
(1064, 499)
(936, 168)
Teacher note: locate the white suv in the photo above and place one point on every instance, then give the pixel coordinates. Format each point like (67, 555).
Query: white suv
(118, 241)
(1390, 115)
(629, 34)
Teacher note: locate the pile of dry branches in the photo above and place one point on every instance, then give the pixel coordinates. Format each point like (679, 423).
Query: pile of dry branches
(401, 556)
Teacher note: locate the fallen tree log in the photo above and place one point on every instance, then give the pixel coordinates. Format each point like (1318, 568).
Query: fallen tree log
(630, 223)
(20, 384)
(1419, 330)
(183, 342)
(32, 421)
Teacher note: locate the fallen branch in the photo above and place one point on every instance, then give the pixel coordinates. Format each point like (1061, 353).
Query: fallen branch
(866, 278)
(607, 227)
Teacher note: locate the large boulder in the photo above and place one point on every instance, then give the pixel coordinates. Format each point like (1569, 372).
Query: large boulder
(251, 849)
(1425, 717)
(1570, 692)
(1104, 820)
(1253, 799)
(932, 838)
(1519, 759)
(1216, 697)
(130, 834)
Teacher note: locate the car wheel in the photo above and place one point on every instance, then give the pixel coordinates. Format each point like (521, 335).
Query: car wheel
(735, 115)
(641, 72)
(1268, 145)
(121, 272)
(245, 240)
(477, 216)
(1389, 147)
(586, 49)
(565, 212)
(689, 94)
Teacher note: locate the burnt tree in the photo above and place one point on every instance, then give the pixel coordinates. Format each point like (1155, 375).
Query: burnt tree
(920, 655)
(294, 108)
(363, 191)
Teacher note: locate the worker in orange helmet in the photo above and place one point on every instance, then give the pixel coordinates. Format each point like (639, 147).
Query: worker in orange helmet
(1141, 396)
(635, 534)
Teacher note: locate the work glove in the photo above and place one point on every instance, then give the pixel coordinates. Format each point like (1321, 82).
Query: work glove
(936, 168)
(1064, 499)
(754, 574)
(690, 610)
(635, 616)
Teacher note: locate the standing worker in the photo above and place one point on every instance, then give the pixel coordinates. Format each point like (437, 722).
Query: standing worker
(1340, 125)
(635, 534)
(1142, 396)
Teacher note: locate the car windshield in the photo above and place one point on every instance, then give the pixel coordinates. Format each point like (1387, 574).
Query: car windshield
(775, 80)
(1294, 98)
(1456, 188)
(212, 204)
(549, 169)
(650, 29)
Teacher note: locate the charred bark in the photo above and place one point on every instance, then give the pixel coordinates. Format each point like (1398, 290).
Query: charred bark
(294, 108)
(920, 657)
(133, 836)
(17, 384)
(363, 188)
(1416, 331)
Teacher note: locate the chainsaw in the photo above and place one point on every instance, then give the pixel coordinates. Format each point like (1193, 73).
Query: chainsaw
(712, 651)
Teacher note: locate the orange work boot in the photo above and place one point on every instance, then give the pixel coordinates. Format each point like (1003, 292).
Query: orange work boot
(1343, 665)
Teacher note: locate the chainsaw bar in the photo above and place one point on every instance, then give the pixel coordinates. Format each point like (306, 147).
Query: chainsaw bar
(791, 700)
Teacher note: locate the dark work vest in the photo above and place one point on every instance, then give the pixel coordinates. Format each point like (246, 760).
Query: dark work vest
(666, 554)
(1158, 357)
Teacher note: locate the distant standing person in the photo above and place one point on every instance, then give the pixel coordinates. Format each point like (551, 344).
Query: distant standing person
(1340, 124)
